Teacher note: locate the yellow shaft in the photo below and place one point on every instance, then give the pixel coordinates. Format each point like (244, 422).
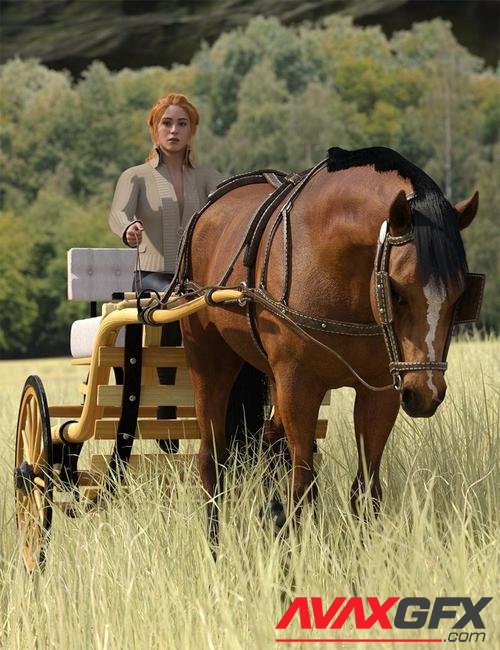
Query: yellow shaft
(106, 336)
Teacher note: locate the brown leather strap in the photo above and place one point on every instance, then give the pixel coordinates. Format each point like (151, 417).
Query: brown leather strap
(312, 322)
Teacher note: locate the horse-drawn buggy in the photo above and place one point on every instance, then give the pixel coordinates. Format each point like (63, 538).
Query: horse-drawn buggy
(120, 396)
(350, 274)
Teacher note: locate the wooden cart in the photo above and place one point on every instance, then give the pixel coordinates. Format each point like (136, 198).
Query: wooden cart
(119, 399)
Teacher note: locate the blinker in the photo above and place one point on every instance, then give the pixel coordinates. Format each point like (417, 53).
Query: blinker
(469, 306)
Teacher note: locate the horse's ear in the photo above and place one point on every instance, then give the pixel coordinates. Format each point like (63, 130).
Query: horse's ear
(399, 215)
(467, 210)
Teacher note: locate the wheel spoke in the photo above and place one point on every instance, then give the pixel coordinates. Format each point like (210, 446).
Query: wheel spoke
(30, 518)
(27, 518)
(39, 506)
(31, 515)
(22, 508)
(36, 449)
(26, 447)
(33, 417)
(39, 482)
(28, 559)
(38, 457)
(29, 408)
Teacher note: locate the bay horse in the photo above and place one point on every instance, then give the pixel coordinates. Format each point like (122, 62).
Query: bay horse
(351, 277)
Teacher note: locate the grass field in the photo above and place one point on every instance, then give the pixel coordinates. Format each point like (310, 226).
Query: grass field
(140, 574)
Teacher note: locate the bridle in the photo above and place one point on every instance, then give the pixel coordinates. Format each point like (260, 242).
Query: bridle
(466, 310)
(383, 300)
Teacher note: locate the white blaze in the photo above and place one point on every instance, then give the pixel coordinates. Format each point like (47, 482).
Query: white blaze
(435, 295)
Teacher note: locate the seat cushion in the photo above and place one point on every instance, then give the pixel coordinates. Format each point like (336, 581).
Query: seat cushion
(83, 333)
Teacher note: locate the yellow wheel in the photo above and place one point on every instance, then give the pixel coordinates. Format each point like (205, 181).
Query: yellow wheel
(33, 476)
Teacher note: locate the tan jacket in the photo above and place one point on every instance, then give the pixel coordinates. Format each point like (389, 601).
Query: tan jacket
(145, 193)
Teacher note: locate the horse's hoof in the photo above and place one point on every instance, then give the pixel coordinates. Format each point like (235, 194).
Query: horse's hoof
(275, 512)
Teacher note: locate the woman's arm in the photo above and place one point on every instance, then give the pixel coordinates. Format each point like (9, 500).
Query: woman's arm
(122, 216)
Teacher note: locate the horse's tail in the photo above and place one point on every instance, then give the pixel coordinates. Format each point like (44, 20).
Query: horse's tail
(247, 407)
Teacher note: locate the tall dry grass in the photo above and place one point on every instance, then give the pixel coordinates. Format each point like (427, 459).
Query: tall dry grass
(140, 574)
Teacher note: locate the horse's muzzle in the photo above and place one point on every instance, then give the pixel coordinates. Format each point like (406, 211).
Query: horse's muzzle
(419, 403)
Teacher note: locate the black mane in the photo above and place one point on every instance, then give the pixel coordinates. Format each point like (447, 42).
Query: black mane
(440, 250)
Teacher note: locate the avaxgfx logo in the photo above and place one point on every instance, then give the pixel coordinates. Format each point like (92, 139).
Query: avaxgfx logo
(405, 614)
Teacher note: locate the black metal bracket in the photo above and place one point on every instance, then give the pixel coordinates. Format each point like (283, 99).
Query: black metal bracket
(66, 455)
(130, 405)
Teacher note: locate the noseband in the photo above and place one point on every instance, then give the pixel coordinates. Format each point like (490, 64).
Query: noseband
(383, 299)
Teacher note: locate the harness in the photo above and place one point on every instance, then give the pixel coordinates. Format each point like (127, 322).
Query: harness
(287, 189)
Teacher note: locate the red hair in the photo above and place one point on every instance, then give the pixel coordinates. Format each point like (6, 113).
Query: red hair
(159, 108)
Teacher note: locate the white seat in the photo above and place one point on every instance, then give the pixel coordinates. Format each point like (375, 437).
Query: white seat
(82, 337)
(94, 274)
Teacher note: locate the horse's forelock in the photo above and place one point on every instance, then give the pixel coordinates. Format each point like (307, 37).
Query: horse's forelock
(440, 249)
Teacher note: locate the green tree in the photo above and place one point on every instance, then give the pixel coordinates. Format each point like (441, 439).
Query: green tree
(96, 156)
(445, 119)
(482, 238)
(258, 137)
(309, 132)
(486, 91)
(292, 55)
(18, 300)
(31, 95)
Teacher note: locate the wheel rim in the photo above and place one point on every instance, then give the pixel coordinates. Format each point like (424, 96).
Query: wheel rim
(33, 446)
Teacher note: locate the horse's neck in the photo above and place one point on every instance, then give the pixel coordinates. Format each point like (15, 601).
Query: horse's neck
(336, 265)
(342, 286)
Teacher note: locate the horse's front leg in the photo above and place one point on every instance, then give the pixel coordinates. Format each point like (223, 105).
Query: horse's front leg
(213, 368)
(374, 417)
(299, 398)
(276, 452)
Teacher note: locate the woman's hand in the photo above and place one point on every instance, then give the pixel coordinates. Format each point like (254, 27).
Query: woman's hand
(134, 234)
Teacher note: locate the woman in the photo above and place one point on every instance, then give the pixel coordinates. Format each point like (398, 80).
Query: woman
(152, 205)
(153, 202)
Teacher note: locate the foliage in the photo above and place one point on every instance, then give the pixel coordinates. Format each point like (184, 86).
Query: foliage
(269, 95)
(18, 309)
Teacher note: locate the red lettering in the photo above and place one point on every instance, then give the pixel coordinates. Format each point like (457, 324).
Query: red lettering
(380, 612)
(321, 621)
(299, 605)
(362, 623)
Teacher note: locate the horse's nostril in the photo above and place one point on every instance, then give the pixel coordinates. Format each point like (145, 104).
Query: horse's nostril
(407, 397)
(440, 397)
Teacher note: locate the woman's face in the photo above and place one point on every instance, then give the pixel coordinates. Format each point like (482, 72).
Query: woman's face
(174, 130)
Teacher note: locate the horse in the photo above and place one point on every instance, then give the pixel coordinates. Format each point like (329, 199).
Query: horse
(351, 277)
